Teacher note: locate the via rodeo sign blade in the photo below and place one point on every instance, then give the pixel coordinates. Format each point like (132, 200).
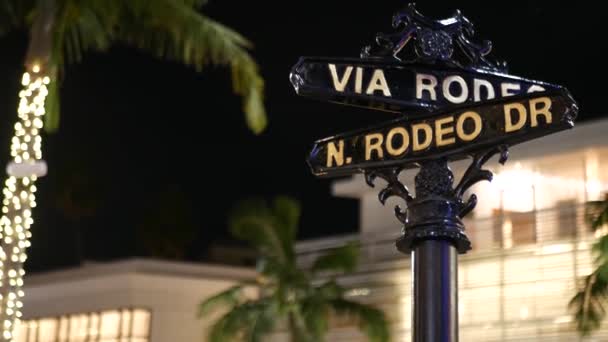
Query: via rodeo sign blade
(434, 79)
(454, 133)
(402, 87)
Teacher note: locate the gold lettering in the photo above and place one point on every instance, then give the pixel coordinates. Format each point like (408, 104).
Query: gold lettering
(376, 145)
(378, 82)
(460, 126)
(428, 136)
(522, 116)
(335, 153)
(440, 131)
(389, 141)
(340, 85)
(544, 110)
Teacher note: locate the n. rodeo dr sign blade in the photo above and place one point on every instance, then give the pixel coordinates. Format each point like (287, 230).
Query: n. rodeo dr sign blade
(453, 133)
(395, 86)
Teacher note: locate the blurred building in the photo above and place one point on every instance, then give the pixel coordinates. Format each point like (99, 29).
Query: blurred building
(531, 246)
(127, 301)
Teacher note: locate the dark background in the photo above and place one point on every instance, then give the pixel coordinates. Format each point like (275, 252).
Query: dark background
(135, 126)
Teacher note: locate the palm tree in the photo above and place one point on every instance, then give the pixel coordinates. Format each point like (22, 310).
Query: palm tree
(60, 32)
(285, 292)
(588, 305)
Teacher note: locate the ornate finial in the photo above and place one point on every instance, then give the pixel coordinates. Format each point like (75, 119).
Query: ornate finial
(434, 178)
(434, 41)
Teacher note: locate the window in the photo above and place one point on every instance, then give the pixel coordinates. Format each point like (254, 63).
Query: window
(513, 228)
(121, 325)
(567, 218)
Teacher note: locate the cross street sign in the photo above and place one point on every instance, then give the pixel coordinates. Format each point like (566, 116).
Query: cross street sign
(454, 133)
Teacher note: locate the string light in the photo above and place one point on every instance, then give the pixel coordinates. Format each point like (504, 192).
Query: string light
(16, 219)
(25, 80)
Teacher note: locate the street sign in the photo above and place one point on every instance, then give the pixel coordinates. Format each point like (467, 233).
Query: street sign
(454, 103)
(453, 133)
(394, 86)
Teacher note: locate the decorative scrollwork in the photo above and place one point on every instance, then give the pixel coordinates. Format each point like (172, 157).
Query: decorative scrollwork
(434, 41)
(571, 113)
(475, 173)
(437, 209)
(393, 188)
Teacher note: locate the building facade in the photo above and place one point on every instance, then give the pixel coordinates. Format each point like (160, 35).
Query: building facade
(531, 246)
(126, 301)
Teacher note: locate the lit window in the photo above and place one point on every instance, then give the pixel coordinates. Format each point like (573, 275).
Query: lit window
(121, 325)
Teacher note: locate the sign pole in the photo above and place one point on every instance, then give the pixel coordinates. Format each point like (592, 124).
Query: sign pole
(433, 234)
(435, 296)
(434, 261)
(453, 103)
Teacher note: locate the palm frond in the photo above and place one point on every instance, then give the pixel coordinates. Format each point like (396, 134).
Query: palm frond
(81, 26)
(588, 303)
(249, 321)
(316, 308)
(170, 29)
(227, 298)
(287, 212)
(51, 103)
(298, 328)
(270, 267)
(194, 3)
(371, 320)
(330, 290)
(175, 30)
(89, 31)
(306, 305)
(78, 27)
(14, 13)
(315, 313)
(341, 259)
(596, 213)
(600, 250)
(253, 221)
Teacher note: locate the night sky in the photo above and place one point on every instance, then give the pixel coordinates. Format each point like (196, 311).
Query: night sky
(133, 127)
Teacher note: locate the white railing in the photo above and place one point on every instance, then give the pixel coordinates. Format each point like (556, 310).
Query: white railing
(505, 231)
